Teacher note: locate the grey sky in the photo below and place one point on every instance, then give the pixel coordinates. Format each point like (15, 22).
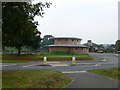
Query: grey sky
(95, 20)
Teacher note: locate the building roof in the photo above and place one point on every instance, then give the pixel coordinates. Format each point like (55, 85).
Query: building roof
(90, 43)
(65, 38)
(65, 45)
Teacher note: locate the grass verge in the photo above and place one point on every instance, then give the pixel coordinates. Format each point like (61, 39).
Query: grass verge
(14, 61)
(50, 57)
(34, 79)
(109, 72)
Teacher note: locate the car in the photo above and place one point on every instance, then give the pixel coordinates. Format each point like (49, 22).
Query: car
(99, 51)
(118, 52)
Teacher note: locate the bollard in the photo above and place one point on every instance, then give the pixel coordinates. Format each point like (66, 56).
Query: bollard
(45, 60)
(73, 60)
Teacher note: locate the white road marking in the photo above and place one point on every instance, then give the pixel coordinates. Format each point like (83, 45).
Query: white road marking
(8, 65)
(104, 60)
(98, 64)
(74, 72)
(29, 65)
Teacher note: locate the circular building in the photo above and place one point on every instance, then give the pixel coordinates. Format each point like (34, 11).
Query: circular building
(68, 43)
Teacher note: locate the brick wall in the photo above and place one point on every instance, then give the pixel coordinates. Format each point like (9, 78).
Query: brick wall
(78, 50)
(68, 41)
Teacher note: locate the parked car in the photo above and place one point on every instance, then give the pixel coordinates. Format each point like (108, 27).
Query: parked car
(118, 52)
(99, 51)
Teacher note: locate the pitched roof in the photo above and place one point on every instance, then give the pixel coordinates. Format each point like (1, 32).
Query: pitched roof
(92, 44)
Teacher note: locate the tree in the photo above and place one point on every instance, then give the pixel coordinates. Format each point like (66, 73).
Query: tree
(36, 42)
(47, 41)
(19, 28)
(117, 45)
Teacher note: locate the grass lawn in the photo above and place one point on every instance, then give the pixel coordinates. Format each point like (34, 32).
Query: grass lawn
(109, 72)
(14, 61)
(35, 57)
(66, 57)
(34, 79)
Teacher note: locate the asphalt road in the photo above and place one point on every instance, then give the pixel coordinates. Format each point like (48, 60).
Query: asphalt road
(81, 78)
(100, 61)
(90, 80)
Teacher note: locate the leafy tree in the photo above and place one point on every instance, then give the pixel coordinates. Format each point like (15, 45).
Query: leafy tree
(117, 45)
(19, 28)
(36, 42)
(47, 41)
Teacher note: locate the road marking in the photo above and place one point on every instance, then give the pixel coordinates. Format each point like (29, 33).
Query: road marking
(29, 65)
(74, 72)
(8, 65)
(54, 65)
(98, 64)
(53, 62)
(104, 60)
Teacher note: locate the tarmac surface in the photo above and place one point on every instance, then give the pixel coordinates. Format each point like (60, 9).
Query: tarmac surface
(90, 80)
(81, 78)
(100, 61)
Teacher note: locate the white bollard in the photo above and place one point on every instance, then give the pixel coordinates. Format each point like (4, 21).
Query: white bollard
(73, 60)
(45, 60)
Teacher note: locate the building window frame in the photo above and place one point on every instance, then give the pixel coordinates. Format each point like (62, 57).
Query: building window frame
(66, 40)
(76, 48)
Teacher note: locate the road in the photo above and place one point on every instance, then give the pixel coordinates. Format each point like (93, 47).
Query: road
(100, 61)
(90, 80)
(81, 78)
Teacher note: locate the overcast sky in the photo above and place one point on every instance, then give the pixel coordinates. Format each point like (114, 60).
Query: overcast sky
(95, 20)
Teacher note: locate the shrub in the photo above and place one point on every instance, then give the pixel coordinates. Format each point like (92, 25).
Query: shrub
(62, 52)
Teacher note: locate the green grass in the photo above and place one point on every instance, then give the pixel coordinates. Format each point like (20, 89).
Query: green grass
(34, 79)
(109, 72)
(10, 58)
(13, 61)
(64, 56)
(14, 58)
